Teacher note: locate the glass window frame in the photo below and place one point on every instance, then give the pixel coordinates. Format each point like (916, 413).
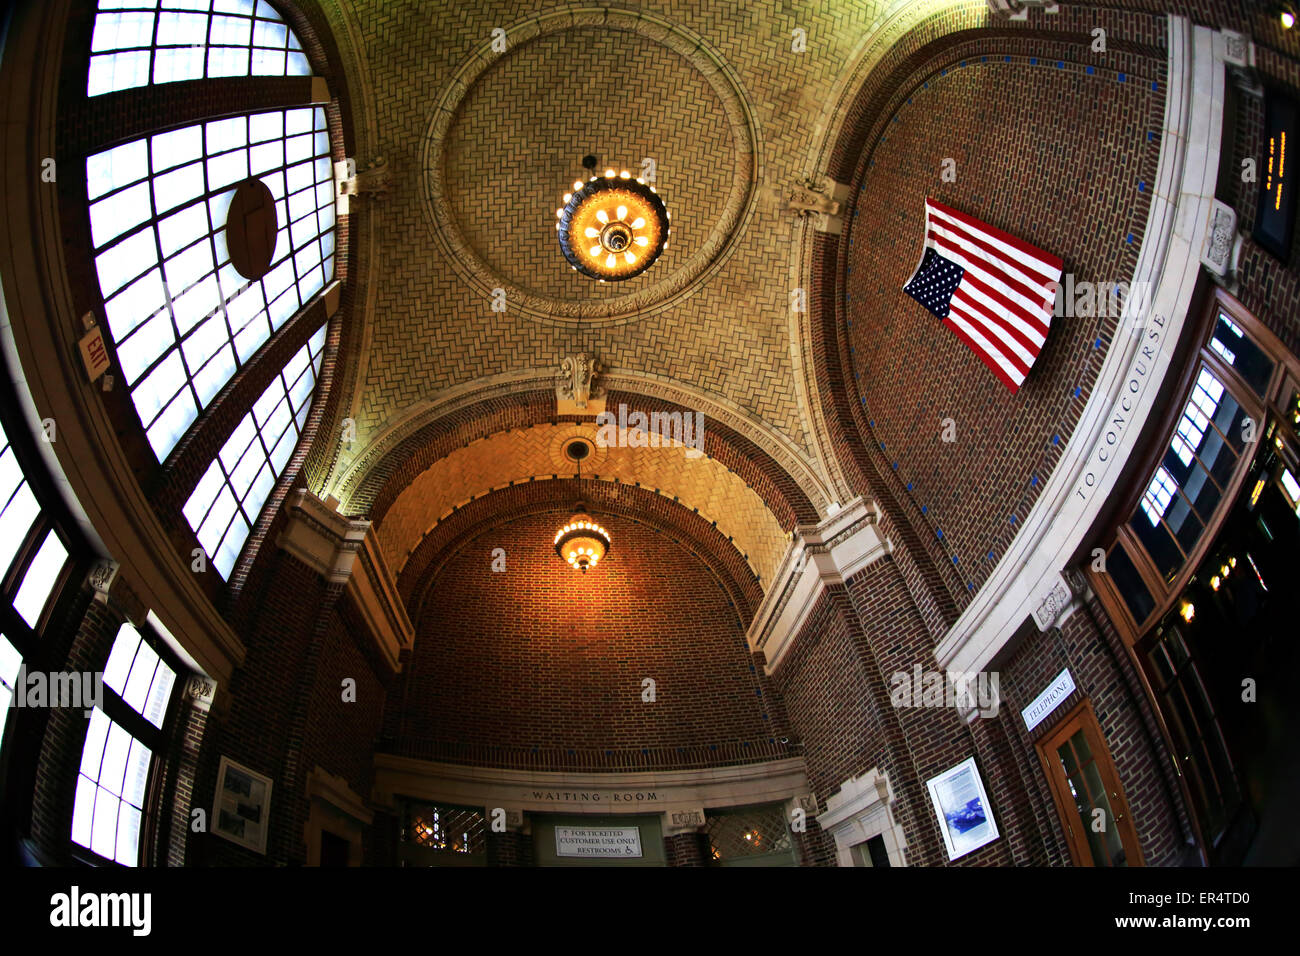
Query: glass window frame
(139, 727)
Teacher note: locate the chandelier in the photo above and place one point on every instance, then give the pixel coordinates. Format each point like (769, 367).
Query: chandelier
(612, 227)
(580, 541)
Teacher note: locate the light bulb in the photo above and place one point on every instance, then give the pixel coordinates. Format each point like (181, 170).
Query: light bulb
(568, 196)
(622, 212)
(591, 232)
(629, 257)
(609, 174)
(577, 184)
(1288, 19)
(638, 222)
(624, 175)
(595, 250)
(602, 215)
(610, 260)
(641, 241)
(559, 214)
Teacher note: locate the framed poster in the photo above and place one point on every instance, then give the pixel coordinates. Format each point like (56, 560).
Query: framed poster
(1275, 212)
(242, 806)
(963, 809)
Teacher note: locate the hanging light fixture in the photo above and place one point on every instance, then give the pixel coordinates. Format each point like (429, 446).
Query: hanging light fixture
(612, 227)
(581, 542)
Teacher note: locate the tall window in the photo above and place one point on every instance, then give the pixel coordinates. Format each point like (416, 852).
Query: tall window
(138, 42)
(181, 317)
(117, 756)
(230, 495)
(32, 559)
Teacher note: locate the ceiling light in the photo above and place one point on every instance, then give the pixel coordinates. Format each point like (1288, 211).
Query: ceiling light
(580, 541)
(619, 213)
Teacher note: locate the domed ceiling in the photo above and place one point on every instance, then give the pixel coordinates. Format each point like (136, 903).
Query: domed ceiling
(483, 116)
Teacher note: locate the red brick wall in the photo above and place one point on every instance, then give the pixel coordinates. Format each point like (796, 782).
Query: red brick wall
(543, 657)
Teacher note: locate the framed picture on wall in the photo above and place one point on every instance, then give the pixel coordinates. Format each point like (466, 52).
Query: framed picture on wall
(242, 806)
(962, 806)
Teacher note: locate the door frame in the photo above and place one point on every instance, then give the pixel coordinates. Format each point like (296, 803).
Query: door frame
(1082, 716)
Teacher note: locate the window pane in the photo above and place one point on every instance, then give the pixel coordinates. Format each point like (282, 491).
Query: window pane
(186, 30)
(121, 657)
(39, 580)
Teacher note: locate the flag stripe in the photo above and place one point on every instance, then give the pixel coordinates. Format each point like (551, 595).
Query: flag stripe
(992, 290)
(993, 366)
(1048, 263)
(1031, 289)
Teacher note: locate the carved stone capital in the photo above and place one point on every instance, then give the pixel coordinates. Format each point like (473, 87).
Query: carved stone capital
(683, 821)
(101, 576)
(1019, 9)
(821, 200)
(1222, 246)
(576, 381)
(1062, 599)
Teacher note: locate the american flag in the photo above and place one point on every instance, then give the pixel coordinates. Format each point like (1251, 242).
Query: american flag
(994, 291)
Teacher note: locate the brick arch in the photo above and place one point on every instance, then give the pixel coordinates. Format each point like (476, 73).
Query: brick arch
(681, 524)
(374, 490)
(898, 474)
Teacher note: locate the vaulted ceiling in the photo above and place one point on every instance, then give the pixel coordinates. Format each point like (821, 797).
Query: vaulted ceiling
(729, 106)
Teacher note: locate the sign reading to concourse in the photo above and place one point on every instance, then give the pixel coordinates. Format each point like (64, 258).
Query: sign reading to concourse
(598, 842)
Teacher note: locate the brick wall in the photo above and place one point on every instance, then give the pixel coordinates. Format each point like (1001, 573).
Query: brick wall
(541, 659)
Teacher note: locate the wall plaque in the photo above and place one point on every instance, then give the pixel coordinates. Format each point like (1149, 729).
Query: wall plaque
(598, 842)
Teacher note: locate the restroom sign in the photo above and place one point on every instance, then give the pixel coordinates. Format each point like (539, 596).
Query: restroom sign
(602, 843)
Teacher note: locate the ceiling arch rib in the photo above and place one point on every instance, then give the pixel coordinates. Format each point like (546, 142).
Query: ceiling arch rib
(701, 484)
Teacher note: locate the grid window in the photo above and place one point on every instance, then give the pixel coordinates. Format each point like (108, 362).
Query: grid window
(19, 515)
(138, 42)
(111, 784)
(1158, 496)
(114, 775)
(228, 498)
(181, 318)
(139, 676)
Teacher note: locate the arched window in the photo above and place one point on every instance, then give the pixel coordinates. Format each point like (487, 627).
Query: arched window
(138, 42)
(230, 495)
(181, 317)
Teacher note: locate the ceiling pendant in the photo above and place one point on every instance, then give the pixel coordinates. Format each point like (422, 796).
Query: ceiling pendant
(612, 227)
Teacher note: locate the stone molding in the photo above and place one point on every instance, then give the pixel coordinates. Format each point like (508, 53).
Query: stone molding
(862, 809)
(344, 551)
(819, 556)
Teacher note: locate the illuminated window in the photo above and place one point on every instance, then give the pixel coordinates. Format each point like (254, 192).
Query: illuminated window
(181, 318)
(10, 662)
(113, 780)
(1159, 494)
(139, 676)
(137, 42)
(228, 498)
(21, 524)
(111, 784)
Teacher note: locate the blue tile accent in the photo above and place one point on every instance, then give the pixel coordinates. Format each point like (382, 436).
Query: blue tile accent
(1091, 70)
(1060, 64)
(1056, 439)
(939, 532)
(991, 556)
(909, 486)
(924, 509)
(1078, 390)
(954, 559)
(1013, 519)
(1142, 187)
(1033, 61)
(1034, 481)
(1123, 78)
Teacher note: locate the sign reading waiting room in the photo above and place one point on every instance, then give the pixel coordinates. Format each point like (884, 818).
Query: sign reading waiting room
(598, 842)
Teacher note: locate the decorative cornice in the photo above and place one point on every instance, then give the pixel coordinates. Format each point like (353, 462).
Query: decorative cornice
(832, 551)
(331, 545)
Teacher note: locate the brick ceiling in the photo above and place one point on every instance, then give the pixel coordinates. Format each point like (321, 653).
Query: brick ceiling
(482, 143)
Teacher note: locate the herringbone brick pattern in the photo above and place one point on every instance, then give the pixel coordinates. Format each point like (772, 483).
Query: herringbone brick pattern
(706, 485)
(731, 336)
